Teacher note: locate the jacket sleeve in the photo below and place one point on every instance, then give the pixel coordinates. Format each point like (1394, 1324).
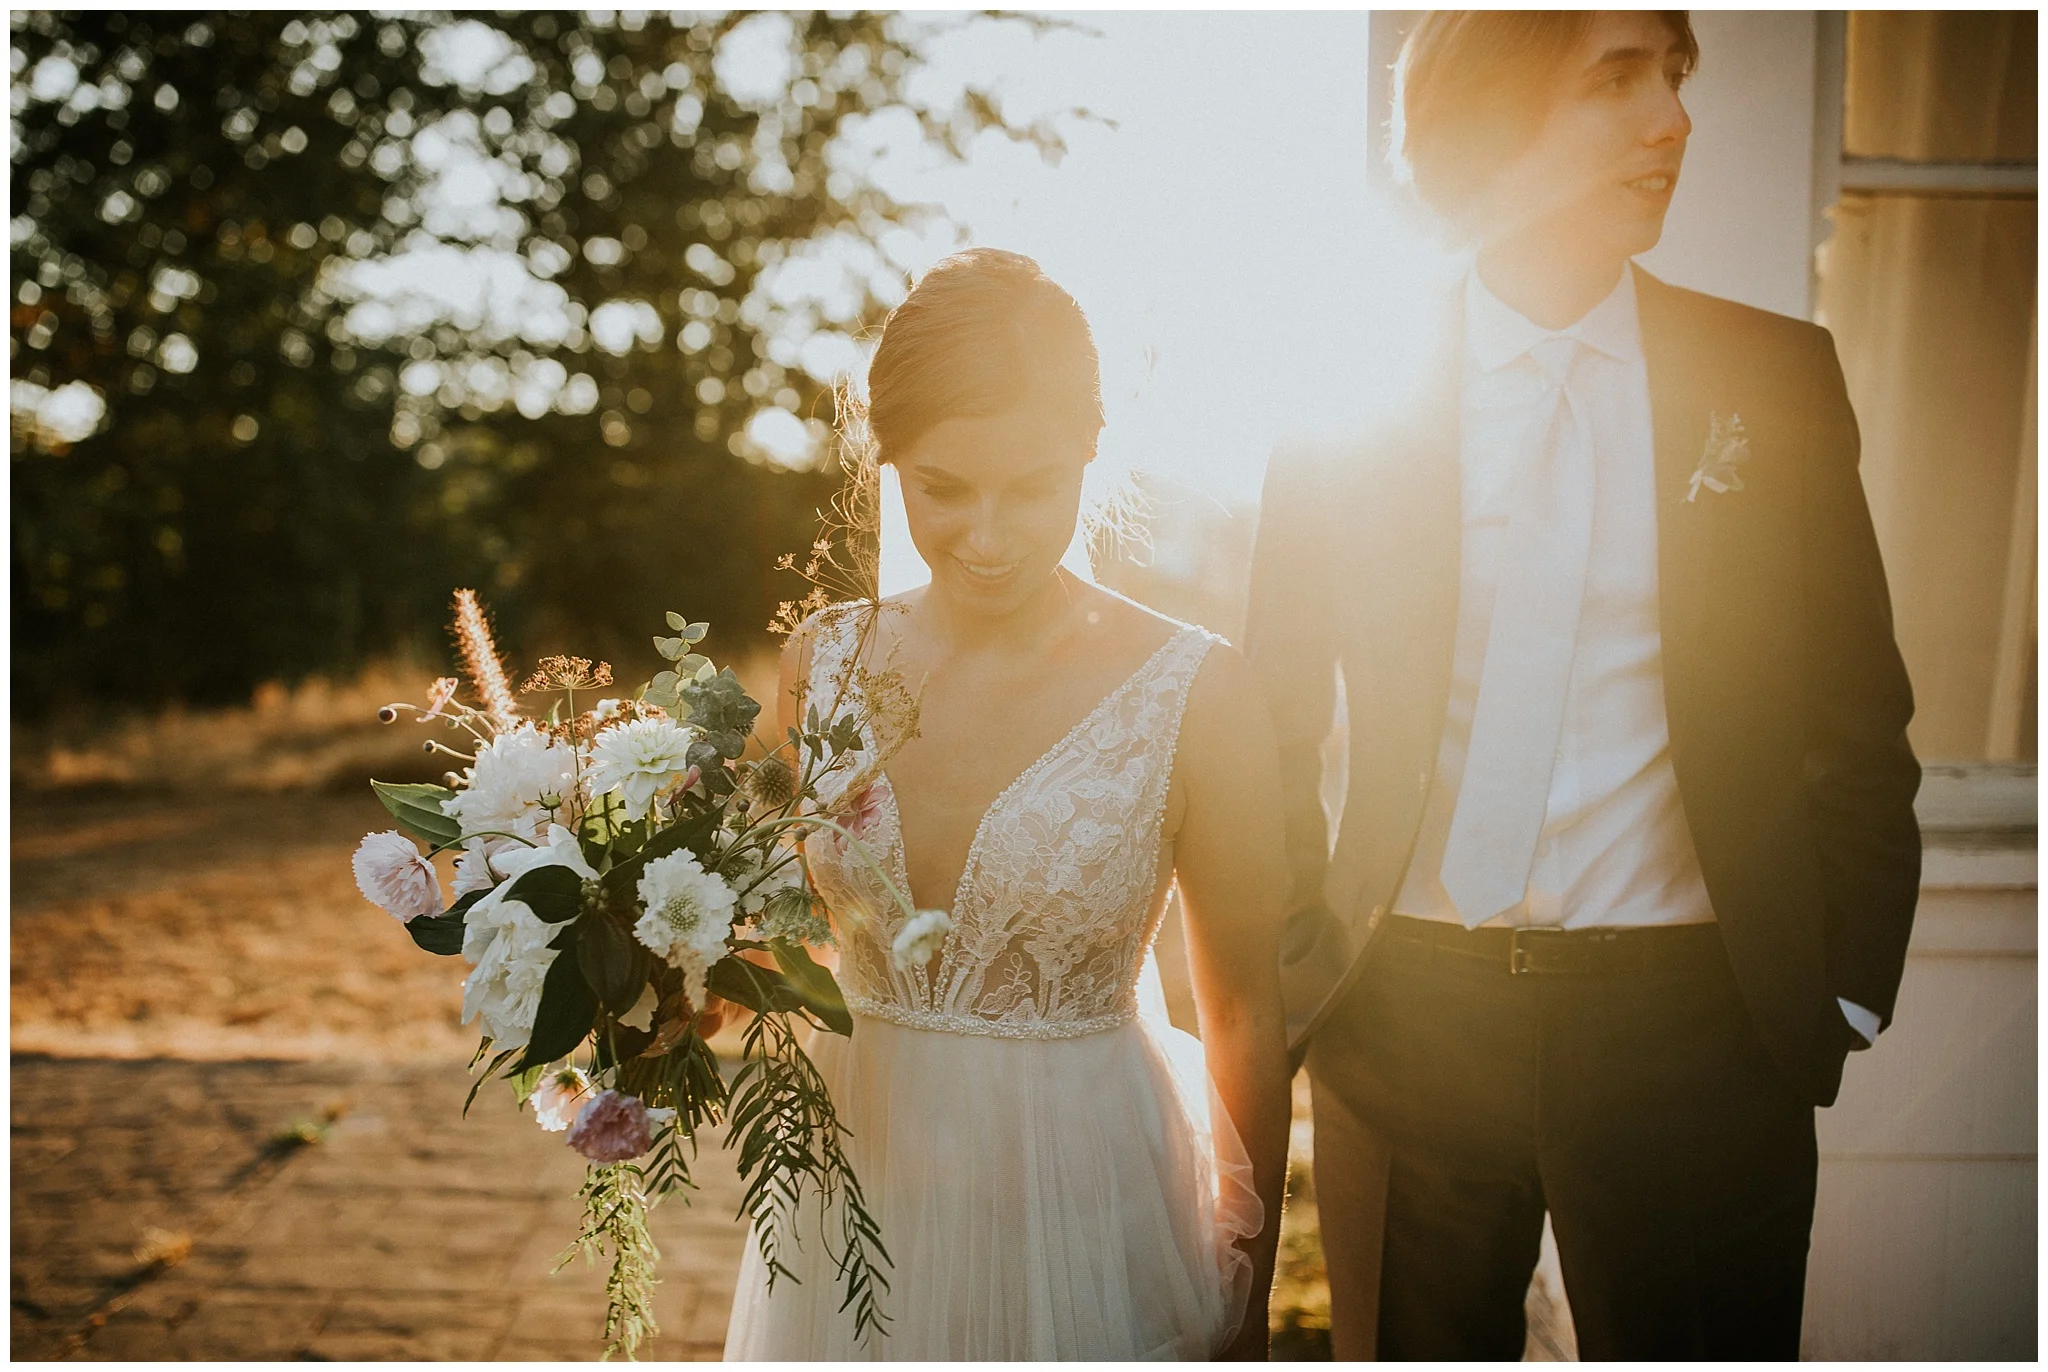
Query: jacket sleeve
(1291, 644)
(1860, 772)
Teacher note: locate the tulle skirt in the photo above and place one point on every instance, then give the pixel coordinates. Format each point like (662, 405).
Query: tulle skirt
(1039, 1199)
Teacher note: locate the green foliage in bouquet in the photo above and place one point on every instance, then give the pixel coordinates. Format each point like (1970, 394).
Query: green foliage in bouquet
(627, 876)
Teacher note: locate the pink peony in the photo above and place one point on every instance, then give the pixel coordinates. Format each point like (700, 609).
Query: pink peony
(392, 873)
(558, 1098)
(612, 1128)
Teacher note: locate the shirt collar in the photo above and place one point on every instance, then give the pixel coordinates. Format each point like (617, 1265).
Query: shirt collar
(1496, 334)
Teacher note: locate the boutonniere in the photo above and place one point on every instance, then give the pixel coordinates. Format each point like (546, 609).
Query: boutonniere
(1727, 449)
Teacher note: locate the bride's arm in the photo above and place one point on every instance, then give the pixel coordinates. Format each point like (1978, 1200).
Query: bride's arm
(1230, 862)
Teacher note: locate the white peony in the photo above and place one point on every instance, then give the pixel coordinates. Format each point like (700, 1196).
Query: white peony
(393, 874)
(689, 914)
(920, 937)
(473, 869)
(638, 759)
(516, 778)
(507, 944)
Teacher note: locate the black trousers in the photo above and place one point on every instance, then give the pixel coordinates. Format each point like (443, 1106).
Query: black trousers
(1637, 1106)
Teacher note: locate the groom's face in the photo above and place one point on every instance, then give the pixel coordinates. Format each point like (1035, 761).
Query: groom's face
(1602, 168)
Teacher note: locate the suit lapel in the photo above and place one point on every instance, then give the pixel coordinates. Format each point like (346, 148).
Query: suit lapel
(1678, 400)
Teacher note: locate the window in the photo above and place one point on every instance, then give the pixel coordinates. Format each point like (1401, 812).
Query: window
(1926, 170)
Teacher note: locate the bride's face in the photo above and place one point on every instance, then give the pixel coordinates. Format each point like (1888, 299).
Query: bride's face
(992, 503)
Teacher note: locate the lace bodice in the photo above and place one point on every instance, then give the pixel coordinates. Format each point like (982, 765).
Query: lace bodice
(1063, 887)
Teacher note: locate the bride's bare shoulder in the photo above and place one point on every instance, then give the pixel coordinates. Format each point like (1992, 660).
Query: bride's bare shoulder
(1122, 626)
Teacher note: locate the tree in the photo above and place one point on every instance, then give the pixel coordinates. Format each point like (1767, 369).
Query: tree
(318, 316)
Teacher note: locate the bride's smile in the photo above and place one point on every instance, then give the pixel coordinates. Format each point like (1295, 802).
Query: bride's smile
(991, 502)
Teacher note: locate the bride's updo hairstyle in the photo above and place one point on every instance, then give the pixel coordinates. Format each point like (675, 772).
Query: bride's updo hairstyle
(984, 333)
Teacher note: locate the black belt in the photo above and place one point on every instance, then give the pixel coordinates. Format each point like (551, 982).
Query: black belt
(1560, 952)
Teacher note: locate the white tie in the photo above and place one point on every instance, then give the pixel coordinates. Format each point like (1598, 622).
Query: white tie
(1505, 791)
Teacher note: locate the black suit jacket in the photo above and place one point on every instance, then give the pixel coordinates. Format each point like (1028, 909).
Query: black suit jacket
(1784, 691)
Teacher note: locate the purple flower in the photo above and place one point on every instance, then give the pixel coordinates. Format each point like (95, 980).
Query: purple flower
(392, 872)
(612, 1128)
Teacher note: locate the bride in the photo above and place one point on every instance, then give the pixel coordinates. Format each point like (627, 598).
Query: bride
(1053, 1173)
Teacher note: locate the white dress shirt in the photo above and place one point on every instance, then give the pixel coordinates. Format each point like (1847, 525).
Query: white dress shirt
(1614, 851)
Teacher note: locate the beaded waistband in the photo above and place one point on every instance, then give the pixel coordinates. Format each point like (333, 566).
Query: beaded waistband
(942, 1022)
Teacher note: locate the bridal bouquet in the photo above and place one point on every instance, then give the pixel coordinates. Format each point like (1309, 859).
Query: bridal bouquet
(618, 862)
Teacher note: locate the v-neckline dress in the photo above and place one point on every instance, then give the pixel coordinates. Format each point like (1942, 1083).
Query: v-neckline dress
(1052, 1175)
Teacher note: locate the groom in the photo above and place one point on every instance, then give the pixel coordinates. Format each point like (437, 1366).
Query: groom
(1628, 860)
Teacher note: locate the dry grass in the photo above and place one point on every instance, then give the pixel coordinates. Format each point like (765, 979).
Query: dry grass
(318, 735)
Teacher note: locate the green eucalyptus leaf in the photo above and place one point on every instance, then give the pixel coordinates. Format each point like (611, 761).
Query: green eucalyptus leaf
(695, 633)
(677, 622)
(670, 648)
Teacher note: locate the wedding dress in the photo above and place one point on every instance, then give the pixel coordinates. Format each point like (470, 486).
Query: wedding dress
(1051, 1173)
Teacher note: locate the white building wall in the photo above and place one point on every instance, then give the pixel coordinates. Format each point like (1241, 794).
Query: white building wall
(1741, 224)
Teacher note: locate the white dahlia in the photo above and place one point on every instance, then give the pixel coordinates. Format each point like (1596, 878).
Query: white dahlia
(638, 759)
(689, 914)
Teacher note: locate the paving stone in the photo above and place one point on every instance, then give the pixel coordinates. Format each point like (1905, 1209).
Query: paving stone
(409, 1233)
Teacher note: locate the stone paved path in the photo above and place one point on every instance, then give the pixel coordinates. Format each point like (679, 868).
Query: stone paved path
(406, 1233)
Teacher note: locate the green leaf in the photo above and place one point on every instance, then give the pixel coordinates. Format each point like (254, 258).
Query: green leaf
(695, 633)
(613, 961)
(813, 984)
(417, 808)
(442, 933)
(670, 648)
(523, 1083)
(761, 989)
(568, 1008)
(554, 893)
(620, 1044)
(677, 622)
(693, 833)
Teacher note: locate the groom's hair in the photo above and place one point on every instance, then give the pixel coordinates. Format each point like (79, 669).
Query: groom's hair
(1471, 89)
(983, 333)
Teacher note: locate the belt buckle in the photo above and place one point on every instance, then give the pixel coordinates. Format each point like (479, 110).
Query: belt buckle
(1521, 942)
